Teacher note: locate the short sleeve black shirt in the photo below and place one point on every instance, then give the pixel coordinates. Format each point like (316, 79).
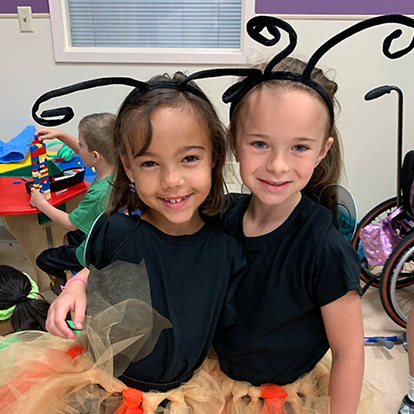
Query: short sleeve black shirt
(192, 283)
(293, 271)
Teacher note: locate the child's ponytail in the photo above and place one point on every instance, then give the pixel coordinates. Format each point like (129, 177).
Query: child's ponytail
(329, 170)
(20, 301)
(30, 314)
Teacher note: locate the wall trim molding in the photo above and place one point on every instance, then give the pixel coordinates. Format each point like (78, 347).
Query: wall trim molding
(15, 16)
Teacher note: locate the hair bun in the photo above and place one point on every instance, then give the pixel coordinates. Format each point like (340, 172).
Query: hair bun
(21, 298)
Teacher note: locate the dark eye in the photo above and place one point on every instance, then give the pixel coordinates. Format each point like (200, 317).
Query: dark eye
(259, 144)
(190, 158)
(148, 164)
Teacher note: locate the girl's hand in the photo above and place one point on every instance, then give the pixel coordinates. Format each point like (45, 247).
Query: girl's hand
(48, 133)
(73, 299)
(37, 199)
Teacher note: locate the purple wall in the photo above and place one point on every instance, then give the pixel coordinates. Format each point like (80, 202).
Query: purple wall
(10, 6)
(369, 7)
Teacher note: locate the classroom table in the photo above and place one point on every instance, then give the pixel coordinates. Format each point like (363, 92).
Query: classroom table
(22, 221)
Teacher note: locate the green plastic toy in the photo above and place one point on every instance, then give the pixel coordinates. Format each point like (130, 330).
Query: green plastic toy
(64, 152)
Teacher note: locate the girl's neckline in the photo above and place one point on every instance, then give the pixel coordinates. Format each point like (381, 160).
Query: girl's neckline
(185, 239)
(281, 231)
(259, 219)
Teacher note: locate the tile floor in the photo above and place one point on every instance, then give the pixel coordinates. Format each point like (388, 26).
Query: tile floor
(385, 369)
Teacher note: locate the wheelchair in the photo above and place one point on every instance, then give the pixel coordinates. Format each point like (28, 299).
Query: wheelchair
(395, 279)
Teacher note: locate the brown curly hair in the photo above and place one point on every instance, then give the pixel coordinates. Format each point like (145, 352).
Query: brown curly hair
(136, 112)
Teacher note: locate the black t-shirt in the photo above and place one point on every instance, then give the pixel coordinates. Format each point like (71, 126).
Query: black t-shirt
(293, 271)
(192, 282)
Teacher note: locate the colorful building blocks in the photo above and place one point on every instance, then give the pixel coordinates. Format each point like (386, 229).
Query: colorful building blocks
(40, 172)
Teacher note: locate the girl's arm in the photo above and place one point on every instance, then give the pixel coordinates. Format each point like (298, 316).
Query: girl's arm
(343, 325)
(72, 298)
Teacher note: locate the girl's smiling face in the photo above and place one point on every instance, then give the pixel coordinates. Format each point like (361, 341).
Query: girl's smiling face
(173, 175)
(281, 137)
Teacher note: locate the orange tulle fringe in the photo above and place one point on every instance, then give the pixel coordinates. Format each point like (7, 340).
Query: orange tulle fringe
(274, 398)
(43, 374)
(132, 402)
(23, 383)
(65, 381)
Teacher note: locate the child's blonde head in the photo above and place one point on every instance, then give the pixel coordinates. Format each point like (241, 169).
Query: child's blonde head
(329, 170)
(98, 133)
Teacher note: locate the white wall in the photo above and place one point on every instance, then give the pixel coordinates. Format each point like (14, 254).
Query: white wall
(368, 129)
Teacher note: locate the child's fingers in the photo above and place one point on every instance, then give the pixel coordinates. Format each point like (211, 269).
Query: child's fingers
(33, 197)
(60, 321)
(56, 321)
(79, 312)
(60, 328)
(40, 133)
(32, 200)
(35, 193)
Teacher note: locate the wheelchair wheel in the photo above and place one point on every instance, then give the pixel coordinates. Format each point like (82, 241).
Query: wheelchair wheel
(399, 271)
(374, 216)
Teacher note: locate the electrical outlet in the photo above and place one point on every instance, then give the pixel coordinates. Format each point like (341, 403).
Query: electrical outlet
(25, 18)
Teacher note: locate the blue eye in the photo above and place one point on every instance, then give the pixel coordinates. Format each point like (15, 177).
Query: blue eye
(300, 148)
(259, 144)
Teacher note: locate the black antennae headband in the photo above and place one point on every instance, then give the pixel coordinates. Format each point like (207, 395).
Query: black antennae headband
(237, 91)
(252, 77)
(67, 113)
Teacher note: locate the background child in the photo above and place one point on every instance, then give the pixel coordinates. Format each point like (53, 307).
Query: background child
(170, 149)
(95, 148)
(300, 294)
(22, 307)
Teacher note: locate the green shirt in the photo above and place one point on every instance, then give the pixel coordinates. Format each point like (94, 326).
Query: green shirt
(95, 201)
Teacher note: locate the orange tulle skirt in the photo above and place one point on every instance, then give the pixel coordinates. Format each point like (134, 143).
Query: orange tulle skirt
(44, 374)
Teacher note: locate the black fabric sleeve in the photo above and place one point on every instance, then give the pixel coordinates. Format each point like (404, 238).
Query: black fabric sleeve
(231, 201)
(238, 267)
(337, 270)
(93, 241)
(106, 237)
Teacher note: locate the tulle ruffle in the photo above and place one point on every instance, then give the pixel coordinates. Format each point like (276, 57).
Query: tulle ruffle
(42, 373)
(307, 395)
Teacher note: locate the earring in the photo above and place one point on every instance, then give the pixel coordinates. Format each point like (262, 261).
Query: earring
(132, 187)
